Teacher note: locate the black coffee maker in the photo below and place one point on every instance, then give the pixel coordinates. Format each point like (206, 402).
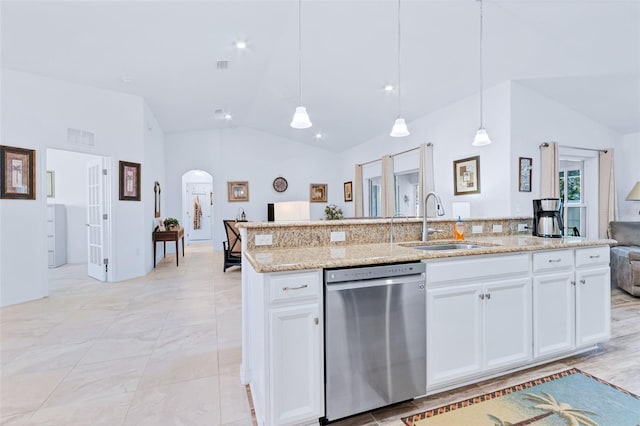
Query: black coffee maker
(547, 218)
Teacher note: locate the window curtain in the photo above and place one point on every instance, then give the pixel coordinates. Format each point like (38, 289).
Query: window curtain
(426, 177)
(549, 171)
(387, 187)
(358, 206)
(607, 211)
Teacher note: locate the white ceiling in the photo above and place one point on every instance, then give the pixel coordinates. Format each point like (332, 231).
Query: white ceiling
(584, 53)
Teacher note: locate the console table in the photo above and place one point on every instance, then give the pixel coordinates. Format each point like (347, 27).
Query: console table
(164, 236)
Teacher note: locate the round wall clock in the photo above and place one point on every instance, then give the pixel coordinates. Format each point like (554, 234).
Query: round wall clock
(280, 184)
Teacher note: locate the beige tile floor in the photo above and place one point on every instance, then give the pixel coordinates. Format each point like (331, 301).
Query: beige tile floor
(165, 349)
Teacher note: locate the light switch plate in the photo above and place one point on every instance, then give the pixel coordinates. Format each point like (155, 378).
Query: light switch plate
(264, 240)
(338, 236)
(497, 228)
(476, 229)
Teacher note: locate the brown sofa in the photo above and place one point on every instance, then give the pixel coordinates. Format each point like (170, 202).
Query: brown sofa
(625, 256)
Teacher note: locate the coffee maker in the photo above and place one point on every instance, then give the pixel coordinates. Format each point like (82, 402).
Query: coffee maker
(547, 218)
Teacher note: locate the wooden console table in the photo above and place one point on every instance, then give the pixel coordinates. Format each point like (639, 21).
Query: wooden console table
(164, 236)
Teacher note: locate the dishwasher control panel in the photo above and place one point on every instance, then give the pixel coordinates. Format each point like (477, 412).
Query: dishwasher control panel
(373, 272)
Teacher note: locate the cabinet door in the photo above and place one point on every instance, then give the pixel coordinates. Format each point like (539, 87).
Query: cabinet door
(453, 333)
(593, 306)
(507, 322)
(296, 385)
(553, 313)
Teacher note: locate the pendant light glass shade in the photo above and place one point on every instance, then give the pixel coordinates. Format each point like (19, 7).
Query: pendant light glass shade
(482, 138)
(301, 119)
(399, 129)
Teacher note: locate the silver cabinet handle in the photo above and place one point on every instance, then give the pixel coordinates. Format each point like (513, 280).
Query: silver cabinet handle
(295, 288)
(597, 256)
(316, 321)
(583, 282)
(573, 283)
(488, 295)
(555, 260)
(481, 296)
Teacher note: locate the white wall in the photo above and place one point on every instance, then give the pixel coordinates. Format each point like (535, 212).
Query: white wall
(451, 130)
(36, 113)
(71, 190)
(627, 156)
(242, 154)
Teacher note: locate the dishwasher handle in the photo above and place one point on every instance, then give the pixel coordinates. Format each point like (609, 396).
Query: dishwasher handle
(419, 279)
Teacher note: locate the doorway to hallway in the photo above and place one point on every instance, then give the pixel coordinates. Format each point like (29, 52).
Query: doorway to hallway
(197, 205)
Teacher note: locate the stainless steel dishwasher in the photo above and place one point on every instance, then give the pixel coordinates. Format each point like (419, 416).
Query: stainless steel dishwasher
(375, 350)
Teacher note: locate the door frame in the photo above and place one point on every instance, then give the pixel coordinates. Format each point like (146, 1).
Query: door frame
(195, 176)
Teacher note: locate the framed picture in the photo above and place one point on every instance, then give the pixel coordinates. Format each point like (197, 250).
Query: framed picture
(156, 198)
(466, 176)
(17, 173)
(129, 182)
(524, 178)
(318, 192)
(51, 184)
(238, 191)
(348, 192)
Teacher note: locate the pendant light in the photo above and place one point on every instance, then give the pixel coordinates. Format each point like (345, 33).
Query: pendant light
(300, 117)
(399, 129)
(482, 138)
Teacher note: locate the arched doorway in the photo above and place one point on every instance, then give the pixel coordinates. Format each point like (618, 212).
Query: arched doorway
(197, 205)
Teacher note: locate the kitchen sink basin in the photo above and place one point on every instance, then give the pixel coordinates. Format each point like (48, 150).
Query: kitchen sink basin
(456, 246)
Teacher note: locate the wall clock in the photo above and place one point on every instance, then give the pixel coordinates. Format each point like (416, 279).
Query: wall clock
(280, 184)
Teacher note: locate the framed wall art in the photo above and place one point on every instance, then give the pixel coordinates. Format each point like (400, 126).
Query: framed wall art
(17, 173)
(238, 191)
(348, 191)
(129, 181)
(318, 193)
(156, 199)
(524, 177)
(466, 176)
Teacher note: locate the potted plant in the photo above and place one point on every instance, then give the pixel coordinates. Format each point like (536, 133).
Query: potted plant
(332, 212)
(170, 223)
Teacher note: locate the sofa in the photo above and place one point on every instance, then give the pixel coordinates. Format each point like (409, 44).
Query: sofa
(625, 256)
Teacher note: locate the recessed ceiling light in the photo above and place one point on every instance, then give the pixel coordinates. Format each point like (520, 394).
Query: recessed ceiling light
(318, 135)
(388, 88)
(126, 79)
(228, 116)
(241, 44)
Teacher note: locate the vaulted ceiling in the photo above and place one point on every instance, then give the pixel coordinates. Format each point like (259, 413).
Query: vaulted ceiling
(583, 53)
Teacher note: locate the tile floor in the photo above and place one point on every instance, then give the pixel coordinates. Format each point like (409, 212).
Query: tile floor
(165, 349)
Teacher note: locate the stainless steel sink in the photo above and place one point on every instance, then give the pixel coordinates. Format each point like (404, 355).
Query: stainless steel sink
(455, 246)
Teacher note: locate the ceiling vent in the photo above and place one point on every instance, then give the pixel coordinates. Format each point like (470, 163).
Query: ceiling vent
(222, 65)
(80, 137)
(218, 113)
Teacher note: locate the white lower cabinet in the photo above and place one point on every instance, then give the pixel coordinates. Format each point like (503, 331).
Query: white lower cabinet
(480, 322)
(553, 313)
(593, 306)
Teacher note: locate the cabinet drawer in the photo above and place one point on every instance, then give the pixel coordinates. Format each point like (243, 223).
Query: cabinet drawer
(552, 260)
(477, 268)
(592, 256)
(295, 286)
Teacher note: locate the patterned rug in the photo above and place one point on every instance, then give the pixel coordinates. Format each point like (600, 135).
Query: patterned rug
(568, 398)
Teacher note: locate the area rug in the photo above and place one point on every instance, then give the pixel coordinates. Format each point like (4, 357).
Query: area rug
(568, 398)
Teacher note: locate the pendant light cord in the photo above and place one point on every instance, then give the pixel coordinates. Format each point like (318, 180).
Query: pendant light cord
(299, 53)
(481, 77)
(399, 70)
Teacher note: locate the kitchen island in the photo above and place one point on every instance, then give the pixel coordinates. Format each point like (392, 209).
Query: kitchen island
(515, 302)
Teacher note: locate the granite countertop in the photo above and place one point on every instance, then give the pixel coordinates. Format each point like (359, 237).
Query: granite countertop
(292, 259)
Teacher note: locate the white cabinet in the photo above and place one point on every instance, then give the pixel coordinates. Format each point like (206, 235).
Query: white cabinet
(56, 235)
(286, 353)
(571, 299)
(478, 317)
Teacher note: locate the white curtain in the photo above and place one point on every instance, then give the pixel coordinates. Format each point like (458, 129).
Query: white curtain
(425, 177)
(549, 171)
(607, 211)
(387, 187)
(358, 206)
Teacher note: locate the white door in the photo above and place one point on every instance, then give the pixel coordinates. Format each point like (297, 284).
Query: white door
(507, 322)
(97, 263)
(593, 306)
(454, 333)
(199, 203)
(553, 313)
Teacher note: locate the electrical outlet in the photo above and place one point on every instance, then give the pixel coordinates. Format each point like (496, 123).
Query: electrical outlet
(497, 228)
(264, 240)
(338, 236)
(522, 227)
(476, 229)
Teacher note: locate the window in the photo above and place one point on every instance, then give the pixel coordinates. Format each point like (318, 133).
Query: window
(375, 196)
(572, 193)
(407, 190)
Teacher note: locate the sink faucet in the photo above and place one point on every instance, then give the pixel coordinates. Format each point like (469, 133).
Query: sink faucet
(439, 212)
(391, 226)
